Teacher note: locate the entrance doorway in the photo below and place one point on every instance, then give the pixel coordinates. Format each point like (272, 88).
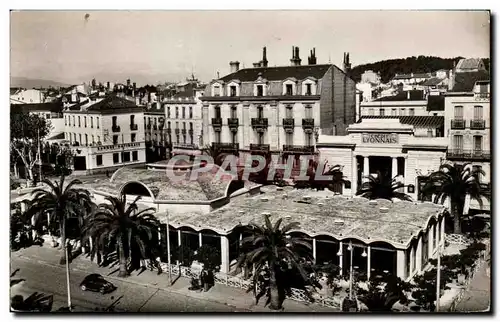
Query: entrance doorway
(79, 163)
(381, 164)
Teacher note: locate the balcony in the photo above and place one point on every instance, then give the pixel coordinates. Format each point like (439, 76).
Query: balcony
(288, 124)
(227, 147)
(183, 131)
(185, 145)
(190, 131)
(298, 149)
(148, 126)
(308, 124)
(121, 147)
(471, 155)
(115, 128)
(259, 124)
(217, 123)
(169, 130)
(133, 127)
(485, 95)
(155, 127)
(477, 124)
(259, 147)
(177, 131)
(457, 124)
(233, 123)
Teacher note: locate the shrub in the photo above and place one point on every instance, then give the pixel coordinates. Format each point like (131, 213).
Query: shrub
(209, 256)
(425, 293)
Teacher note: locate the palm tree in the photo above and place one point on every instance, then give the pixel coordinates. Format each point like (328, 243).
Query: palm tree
(215, 153)
(382, 187)
(60, 202)
(335, 171)
(122, 226)
(270, 247)
(454, 183)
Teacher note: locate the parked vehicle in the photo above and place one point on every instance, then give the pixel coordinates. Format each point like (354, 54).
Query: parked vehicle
(97, 283)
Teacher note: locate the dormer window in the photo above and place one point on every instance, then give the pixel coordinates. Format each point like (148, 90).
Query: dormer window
(232, 90)
(260, 90)
(216, 90)
(289, 89)
(308, 89)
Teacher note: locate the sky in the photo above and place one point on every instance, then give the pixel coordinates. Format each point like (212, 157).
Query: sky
(158, 46)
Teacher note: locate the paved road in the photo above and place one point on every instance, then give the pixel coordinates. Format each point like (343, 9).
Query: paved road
(50, 279)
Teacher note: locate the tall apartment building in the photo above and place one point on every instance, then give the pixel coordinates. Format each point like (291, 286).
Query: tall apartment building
(154, 132)
(105, 133)
(279, 109)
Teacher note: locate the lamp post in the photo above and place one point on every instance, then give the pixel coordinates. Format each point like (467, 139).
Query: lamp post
(438, 273)
(350, 304)
(168, 251)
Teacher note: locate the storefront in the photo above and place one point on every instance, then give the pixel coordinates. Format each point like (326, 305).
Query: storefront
(386, 146)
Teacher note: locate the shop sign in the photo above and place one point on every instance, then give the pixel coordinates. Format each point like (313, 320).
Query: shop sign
(380, 138)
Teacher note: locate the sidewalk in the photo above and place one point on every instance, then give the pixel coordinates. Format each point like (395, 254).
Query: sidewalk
(478, 297)
(223, 294)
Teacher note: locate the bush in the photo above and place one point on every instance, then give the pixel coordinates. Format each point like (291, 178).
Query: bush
(383, 299)
(425, 293)
(209, 256)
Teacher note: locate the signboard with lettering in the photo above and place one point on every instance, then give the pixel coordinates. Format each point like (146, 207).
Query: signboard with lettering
(380, 138)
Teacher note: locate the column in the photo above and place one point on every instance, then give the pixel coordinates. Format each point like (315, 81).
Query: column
(366, 167)
(341, 248)
(418, 260)
(200, 239)
(224, 251)
(369, 262)
(412, 260)
(401, 263)
(314, 249)
(430, 244)
(179, 242)
(442, 231)
(354, 176)
(394, 166)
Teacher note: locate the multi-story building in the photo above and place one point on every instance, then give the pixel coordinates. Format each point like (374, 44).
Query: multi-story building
(369, 76)
(27, 96)
(155, 132)
(410, 79)
(52, 112)
(278, 109)
(105, 134)
(405, 103)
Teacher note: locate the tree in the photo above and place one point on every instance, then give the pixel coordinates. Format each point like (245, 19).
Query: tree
(215, 153)
(26, 131)
(454, 183)
(334, 171)
(60, 202)
(36, 302)
(123, 227)
(425, 292)
(382, 187)
(271, 247)
(383, 293)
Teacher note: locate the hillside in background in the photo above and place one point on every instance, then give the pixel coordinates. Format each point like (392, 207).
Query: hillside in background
(421, 64)
(24, 82)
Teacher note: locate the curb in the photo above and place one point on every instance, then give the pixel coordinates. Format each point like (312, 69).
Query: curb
(193, 295)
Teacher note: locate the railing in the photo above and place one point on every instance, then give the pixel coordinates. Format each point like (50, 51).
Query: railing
(259, 122)
(115, 128)
(133, 127)
(185, 145)
(118, 146)
(183, 131)
(148, 126)
(458, 154)
(308, 123)
(233, 122)
(481, 95)
(456, 239)
(477, 124)
(259, 147)
(169, 130)
(231, 147)
(190, 131)
(458, 124)
(288, 123)
(155, 127)
(177, 131)
(216, 121)
(298, 148)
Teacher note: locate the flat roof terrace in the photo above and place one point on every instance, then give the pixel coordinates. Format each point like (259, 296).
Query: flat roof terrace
(319, 213)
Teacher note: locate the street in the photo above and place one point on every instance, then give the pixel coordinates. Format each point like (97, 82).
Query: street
(130, 297)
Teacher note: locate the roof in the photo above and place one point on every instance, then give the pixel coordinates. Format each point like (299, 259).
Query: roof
(417, 121)
(112, 103)
(464, 82)
(469, 63)
(402, 76)
(278, 73)
(58, 136)
(415, 95)
(435, 103)
(55, 107)
(340, 217)
(206, 186)
(432, 81)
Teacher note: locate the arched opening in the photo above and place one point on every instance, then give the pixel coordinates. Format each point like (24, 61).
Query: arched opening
(383, 259)
(189, 244)
(212, 239)
(173, 238)
(136, 189)
(359, 258)
(327, 248)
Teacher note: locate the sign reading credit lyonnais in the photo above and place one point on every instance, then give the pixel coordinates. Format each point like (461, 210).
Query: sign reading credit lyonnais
(389, 138)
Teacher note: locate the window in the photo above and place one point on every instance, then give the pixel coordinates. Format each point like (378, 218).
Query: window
(135, 156)
(478, 143)
(178, 138)
(92, 136)
(168, 111)
(232, 90)
(116, 158)
(126, 157)
(289, 138)
(371, 112)
(114, 121)
(190, 125)
(79, 124)
(74, 137)
(177, 112)
(80, 138)
(289, 111)
(86, 139)
(217, 112)
(191, 138)
(183, 112)
(115, 139)
(309, 114)
(168, 124)
(184, 125)
(289, 89)
(429, 132)
(382, 112)
(132, 119)
(309, 139)
(85, 121)
(412, 112)
(91, 122)
(154, 121)
(435, 114)
(261, 138)
(98, 139)
(458, 142)
(260, 112)
(176, 125)
(478, 112)
(190, 112)
(132, 137)
(184, 139)
(97, 122)
(308, 89)
(216, 90)
(403, 112)
(99, 159)
(260, 90)
(217, 137)
(459, 112)
(233, 112)
(65, 121)
(393, 112)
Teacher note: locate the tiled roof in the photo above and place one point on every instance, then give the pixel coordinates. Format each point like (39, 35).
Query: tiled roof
(278, 73)
(435, 103)
(417, 121)
(112, 102)
(415, 95)
(464, 82)
(55, 107)
(432, 81)
(468, 63)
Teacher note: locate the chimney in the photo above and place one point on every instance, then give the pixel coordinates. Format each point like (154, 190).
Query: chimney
(134, 86)
(347, 64)
(295, 58)
(235, 66)
(451, 81)
(264, 57)
(218, 76)
(107, 86)
(311, 60)
(256, 65)
(128, 82)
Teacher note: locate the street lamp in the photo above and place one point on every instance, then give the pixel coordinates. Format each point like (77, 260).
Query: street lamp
(438, 273)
